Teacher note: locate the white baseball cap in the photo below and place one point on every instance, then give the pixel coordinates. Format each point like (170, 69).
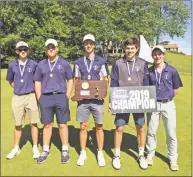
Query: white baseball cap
(89, 37)
(21, 44)
(51, 41)
(158, 47)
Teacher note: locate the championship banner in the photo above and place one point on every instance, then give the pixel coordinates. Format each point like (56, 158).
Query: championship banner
(133, 99)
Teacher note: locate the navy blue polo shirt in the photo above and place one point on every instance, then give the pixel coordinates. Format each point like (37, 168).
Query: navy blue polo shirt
(14, 75)
(99, 68)
(60, 74)
(169, 81)
(138, 73)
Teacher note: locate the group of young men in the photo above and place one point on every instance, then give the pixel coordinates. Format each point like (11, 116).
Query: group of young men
(49, 84)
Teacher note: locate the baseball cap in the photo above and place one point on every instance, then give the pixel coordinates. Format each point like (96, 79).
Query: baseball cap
(21, 44)
(89, 37)
(51, 41)
(158, 47)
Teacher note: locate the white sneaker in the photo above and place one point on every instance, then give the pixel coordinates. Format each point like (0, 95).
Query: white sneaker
(81, 159)
(36, 153)
(149, 160)
(116, 162)
(143, 162)
(13, 153)
(174, 166)
(101, 160)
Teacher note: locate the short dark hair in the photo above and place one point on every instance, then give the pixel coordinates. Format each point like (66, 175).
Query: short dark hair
(131, 41)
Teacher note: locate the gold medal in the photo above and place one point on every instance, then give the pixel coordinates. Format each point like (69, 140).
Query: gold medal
(89, 77)
(51, 75)
(129, 78)
(85, 85)
(21, 80)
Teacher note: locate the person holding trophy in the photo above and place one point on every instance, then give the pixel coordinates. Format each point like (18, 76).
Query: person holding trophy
(90, 67)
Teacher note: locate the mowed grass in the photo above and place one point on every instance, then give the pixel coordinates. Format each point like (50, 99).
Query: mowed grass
(24, 165)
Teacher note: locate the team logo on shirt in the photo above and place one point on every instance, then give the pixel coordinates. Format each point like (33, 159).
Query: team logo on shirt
(95, 67)
(29, 70)
(58, 66)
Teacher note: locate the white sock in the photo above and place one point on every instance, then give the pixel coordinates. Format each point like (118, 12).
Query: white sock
(83, 152)
(100, 152)
(35, 146)
(117, 152)
(46, 148)
(141, 151)
(16, 147)
(65, 147)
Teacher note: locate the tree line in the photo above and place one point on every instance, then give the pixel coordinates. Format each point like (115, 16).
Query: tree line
(68, 21)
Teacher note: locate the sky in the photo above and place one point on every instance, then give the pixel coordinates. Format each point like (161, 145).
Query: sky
(183, 43)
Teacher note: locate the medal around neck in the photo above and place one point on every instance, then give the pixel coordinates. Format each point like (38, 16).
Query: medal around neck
(129, 78)
(21, 80)
(51, 75)
(89, 77)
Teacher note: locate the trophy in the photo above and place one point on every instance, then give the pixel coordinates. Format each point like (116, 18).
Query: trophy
(90, 89)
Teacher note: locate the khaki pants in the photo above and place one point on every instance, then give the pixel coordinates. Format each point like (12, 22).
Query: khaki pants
(25, 104)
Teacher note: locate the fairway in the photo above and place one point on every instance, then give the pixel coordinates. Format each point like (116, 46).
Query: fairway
(24, 165)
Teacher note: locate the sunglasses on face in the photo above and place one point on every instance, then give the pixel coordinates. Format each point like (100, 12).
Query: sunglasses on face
(23, 49)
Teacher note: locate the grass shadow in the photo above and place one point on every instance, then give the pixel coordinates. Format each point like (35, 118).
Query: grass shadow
(26, 136)
(129, 143)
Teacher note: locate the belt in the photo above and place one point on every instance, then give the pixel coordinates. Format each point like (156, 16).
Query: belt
(24, 93)
(164, 101)
(51, 93)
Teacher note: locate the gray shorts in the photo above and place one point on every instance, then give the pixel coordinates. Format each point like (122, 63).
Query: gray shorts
(85, 107)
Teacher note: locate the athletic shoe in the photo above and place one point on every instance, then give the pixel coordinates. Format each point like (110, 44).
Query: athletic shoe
(64, 156)
(81, 159)
(174, 166)
(143, 162)
(36, 153)
(13, 153)
(101, 160)
(116, 162)
(149, 160)
(43, 157)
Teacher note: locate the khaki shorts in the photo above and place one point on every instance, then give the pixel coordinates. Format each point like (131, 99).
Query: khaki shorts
(25, 104)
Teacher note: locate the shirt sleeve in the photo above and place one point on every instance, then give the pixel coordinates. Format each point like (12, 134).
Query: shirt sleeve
(69, 73)
(10, 74)
(177, 83)
(76, 71)
(114, 75)
(114, 83)
(38, 74)
(103, 71)
(146, 75)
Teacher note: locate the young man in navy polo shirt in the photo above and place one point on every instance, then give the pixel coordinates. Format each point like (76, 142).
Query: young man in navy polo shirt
(90, 67)
(20, 76)
(129, 71)
(53, 87)
(167, 82)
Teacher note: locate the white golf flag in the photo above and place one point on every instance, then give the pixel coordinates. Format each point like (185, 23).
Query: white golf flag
(145, 50)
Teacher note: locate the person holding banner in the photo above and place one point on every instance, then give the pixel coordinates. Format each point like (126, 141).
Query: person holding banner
(90, 67)
(20, 76)
(168, 83)
(53, 86)
(129, 70)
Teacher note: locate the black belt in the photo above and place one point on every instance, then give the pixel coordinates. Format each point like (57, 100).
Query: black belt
(164, 101)
(51, 93)
(24, 93)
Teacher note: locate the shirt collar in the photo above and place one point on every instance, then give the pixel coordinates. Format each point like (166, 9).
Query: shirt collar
(17, 61)
(166, 67)
(124, 59)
